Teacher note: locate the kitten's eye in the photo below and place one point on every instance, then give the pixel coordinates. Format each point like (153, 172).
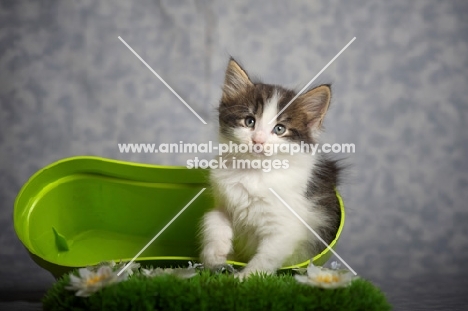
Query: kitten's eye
(249, 122)
(279, 129)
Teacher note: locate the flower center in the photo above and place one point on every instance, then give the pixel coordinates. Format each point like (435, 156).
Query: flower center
(95, 279)
(327, 278)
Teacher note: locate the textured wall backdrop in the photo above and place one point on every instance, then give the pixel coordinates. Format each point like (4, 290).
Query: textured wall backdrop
(68, 87)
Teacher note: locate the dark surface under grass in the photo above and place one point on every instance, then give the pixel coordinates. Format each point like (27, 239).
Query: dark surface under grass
(218, 292)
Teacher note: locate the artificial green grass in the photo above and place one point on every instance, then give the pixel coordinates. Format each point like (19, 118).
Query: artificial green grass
(208, 291)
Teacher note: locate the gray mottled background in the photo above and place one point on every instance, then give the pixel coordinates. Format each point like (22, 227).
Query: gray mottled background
(68, 87)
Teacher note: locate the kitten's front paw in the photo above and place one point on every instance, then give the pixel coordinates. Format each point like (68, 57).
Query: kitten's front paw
(224, 268)
(212, 258)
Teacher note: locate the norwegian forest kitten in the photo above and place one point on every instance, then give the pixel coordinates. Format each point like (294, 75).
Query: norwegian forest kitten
(249, 222)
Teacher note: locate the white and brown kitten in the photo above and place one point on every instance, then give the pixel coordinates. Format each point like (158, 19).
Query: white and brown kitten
(249, 223)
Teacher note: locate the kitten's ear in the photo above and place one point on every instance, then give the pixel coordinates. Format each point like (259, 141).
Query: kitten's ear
(315, 104)
(236, 80)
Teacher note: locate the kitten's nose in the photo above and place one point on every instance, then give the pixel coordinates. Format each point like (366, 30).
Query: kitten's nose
(259, 138)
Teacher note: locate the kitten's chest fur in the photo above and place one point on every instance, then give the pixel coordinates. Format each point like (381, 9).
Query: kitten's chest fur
(254, 211)
(241, 189)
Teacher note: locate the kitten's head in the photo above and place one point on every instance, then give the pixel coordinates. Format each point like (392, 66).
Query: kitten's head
(246, 109)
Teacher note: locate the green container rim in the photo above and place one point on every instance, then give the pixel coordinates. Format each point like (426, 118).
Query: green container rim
(194, 176)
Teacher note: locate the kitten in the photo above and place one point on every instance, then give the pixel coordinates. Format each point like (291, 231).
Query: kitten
(249, 222)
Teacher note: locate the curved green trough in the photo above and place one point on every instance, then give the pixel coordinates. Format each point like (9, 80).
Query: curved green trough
(80, 211)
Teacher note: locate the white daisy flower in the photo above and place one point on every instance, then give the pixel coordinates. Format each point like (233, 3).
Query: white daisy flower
(326, 278)
(133, 267)
(184, 273)
(195, 265)
(89, 281)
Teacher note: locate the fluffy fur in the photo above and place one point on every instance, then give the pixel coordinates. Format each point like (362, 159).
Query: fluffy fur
(249, 223)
